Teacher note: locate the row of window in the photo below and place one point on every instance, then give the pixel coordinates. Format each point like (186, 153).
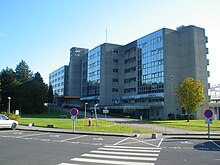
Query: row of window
(152, 75)
(58, 79)
(129, 80)
(128, 51)
(58, 85)
(150, 70)
(152, 52)
(144, 91)
(130, 60)
(151, 64)
(94, 64)
(150, 81)
(150, 42)
(155, 100)
(56, 74)
(94, 73)
(129, 90)
(133, 69)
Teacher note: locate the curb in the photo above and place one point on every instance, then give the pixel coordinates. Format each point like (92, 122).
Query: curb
(44, 129)
(192, 136)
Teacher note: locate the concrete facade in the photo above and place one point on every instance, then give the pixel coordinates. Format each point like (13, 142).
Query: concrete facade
(75, 65)
(138, 79)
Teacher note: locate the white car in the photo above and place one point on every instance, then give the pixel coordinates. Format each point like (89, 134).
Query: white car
(5, 122)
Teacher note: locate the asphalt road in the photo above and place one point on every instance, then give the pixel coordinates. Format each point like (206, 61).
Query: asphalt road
(189, 152)
(45, 148)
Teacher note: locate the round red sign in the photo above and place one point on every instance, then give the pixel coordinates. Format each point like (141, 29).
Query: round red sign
(74, 112)
(208, 113)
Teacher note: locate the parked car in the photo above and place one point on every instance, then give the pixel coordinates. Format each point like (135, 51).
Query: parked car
(5, 122)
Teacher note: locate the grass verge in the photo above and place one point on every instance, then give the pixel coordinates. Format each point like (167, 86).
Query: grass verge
(82, 124)
(194, 125)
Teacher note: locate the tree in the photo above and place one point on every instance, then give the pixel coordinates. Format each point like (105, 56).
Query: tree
(190, 93)
(33, 95)
(23, 73)
(50, 94)
(8, 82)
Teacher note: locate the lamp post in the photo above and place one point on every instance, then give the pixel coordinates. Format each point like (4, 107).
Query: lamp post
(9, 104)
(96, 114)
(85, 109)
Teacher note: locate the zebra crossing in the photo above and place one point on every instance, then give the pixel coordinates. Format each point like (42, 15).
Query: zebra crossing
(118, 155)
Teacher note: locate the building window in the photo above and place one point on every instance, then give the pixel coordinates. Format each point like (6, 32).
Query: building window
(114, 89)
(129, 90)
(115, 70)
(114, 80)
(115, 60)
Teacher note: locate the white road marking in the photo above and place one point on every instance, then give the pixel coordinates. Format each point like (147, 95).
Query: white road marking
(97, 139)
(123, 153)
(39, 134)
(109, 161)
(54, 135)
(215, 143)
(130, 150)
(161, 140)
(73, 138)
(67, 164)
(144, 148)
(119, 157)
(7, 131)
(121, 141)
(139, 141)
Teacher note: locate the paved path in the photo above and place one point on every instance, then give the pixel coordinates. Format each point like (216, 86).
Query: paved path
(137, 123)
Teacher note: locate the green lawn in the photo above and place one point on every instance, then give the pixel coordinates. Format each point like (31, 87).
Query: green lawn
(82, 124)
(196, 125)
(52, 117)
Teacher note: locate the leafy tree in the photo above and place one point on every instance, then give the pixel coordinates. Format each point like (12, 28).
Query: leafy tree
(33, 94)
(23, 73)
(8, 82)
(50, 94)
(190, 93)
(28, 92)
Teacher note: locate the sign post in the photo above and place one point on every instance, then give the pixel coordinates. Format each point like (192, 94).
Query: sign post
(208, 114)
(105, 111)
(74, 112)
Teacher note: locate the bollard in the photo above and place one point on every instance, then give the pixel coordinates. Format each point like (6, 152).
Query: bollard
(154, 136)
(90, 122)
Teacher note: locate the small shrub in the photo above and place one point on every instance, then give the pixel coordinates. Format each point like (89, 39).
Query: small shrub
(184, 117)
(171, 116)
(11, 116)
(14, 117)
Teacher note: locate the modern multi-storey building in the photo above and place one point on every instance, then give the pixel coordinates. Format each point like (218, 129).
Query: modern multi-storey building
(139, 78)
(59, 81)
(215, 100)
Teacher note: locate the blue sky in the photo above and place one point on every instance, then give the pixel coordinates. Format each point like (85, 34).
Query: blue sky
(41, 32)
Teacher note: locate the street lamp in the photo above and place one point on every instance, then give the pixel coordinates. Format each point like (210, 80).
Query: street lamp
(9, 104)
(85, 109)
(96, 114)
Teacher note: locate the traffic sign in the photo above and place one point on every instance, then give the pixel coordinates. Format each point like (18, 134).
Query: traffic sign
(208, 121)
(105, 111)
(74, 112)
(208, 113)
(73, 118)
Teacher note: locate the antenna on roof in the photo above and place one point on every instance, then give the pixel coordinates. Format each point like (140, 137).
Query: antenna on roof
(106, 34)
